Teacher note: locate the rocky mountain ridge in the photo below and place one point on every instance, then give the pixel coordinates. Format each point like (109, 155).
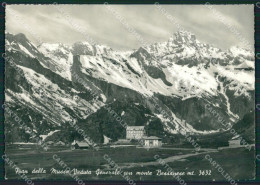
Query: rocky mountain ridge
(165, 85)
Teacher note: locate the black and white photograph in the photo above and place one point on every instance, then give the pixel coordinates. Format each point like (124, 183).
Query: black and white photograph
(129, 92)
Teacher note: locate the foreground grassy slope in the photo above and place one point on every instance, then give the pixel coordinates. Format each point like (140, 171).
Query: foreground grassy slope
(237, 162)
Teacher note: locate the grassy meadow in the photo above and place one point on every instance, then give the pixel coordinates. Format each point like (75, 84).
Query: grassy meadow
(238, 162)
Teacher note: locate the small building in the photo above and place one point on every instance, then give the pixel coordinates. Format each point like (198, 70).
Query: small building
(60, 143)
(234, 142)
(152, 142)
(50, 143)
(106, 140)
(122, 141)
(79, 145)
(135, 132)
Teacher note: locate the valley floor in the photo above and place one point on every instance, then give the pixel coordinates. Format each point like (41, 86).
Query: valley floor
(137, 163)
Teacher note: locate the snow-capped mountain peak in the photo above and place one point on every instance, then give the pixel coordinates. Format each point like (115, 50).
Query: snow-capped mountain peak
(181, 75)
(184, 37)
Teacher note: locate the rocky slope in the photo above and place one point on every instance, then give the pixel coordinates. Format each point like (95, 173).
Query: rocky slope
(172, 86)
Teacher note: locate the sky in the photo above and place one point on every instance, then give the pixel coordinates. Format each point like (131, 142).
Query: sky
(71, 23)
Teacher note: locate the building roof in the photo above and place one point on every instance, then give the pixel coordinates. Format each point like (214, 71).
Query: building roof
(135, 128)
(235, 137)
(82, 144)
(234, 140)
(105, 137)
(60, 142)
(151, 138)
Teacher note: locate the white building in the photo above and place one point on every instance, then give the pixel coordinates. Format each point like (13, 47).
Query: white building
(152, 142)
(234, 142)
(79, 145)
(135, 132)
(106, 139)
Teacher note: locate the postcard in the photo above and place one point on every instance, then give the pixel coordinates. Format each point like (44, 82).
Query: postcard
(129, 92)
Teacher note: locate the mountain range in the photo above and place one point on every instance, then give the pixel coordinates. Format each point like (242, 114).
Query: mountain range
(165, 87)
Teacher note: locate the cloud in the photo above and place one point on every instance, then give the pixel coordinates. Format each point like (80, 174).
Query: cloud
(103, 27)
